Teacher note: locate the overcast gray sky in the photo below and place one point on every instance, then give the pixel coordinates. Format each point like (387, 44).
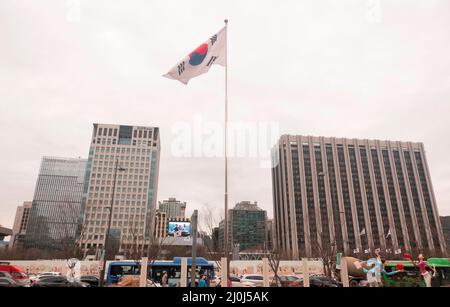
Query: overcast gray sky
(347, 68)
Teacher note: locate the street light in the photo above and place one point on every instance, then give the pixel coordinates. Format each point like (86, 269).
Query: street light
(105, 246)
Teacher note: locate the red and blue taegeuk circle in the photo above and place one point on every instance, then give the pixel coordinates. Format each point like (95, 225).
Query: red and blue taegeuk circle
(198, 55)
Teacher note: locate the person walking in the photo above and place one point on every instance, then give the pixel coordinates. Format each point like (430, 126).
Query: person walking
(164, 280)
(202, 282)
(422, 266)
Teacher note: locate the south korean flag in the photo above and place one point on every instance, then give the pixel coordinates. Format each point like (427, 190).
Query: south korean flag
(199, 61)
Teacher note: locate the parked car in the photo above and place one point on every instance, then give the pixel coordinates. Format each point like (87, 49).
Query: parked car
(16, 273)
(235, 282)
(8, 282)
(92, 280)
(58, 281)
(290, 281)
(36, 277)
(5, 274)
(256, 279)
(323, 282)
(49, 274)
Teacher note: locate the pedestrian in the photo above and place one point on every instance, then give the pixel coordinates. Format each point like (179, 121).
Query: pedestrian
(202, 282)
(164, 280)
(422, 266)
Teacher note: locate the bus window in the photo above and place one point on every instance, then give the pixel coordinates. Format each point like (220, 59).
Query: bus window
(120, 270)
(197, 273)
(157, 273)
(174, 273)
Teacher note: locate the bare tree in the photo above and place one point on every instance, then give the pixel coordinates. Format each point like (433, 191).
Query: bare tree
(326, 251)
(209, 220)
(275, 256)
(155, 249)
(131, 247)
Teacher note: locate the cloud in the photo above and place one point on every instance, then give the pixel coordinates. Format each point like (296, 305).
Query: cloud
(317, 68)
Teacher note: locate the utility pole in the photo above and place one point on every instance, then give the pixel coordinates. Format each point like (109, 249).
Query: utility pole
(105, 246)
(194, 219)
(226, 239)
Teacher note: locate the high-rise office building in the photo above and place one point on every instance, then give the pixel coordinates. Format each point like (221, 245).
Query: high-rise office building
(173, 208)
(161, 224)
(20, 223)
(246, 227)
(269, 235)
(124, 163)
(355, 195)
(445, 222)
(215, 239)
(53, 219)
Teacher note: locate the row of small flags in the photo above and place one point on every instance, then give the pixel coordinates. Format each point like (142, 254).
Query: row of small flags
(388, 251)
(367, 251)
(363, 233)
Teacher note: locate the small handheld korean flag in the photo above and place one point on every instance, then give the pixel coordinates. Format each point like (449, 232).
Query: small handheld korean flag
(199, 61)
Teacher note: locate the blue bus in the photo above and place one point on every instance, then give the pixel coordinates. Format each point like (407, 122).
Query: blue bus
(118, 269)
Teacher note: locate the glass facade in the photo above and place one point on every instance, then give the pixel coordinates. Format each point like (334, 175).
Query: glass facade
(426, 195)
(309, 191)
(298, 197)
(415, 197)
(325, 235)
(362, 228)
(337, 216)
(374, 225)
(382, 197)
(54, 215)
(346, 196)
(247, 226)
(393, 197)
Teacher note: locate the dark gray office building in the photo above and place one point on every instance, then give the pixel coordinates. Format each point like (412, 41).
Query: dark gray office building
(354, 195)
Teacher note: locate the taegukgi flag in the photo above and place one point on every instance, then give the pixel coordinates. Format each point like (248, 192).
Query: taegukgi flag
(199, 61)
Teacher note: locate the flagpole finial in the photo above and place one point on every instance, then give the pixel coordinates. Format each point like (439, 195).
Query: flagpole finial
(226, 21)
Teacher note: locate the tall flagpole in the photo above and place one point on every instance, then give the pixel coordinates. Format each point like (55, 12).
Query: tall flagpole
(226, 238)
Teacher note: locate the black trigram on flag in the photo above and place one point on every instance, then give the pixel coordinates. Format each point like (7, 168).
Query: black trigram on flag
(212, 52)
(181, 68)
(211, 61)
(213, 39)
